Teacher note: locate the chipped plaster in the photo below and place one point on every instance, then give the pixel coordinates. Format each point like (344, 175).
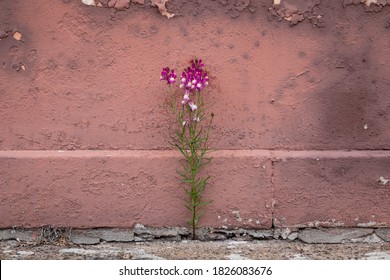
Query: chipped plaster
(125, 4)
(293, 11)
(383, 180)
(367, 3)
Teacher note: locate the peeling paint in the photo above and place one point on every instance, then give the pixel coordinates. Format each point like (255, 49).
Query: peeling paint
(17, 36)
(89, 2)
(316, 224)
(377, 2)
(125, 4)
(119, 4)
(237, 215)
(297, 11)
(370, 224)
(293, 11)
(383, 180)
(92, 3)
(368, 3)
(162, 8)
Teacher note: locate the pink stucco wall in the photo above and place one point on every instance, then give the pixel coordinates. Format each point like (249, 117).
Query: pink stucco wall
(301, 132)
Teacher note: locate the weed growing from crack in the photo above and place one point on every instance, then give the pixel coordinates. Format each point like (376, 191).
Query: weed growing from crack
(191, 134)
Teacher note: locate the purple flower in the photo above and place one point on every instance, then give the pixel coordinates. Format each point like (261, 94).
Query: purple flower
(192, 105)
(186, 98)
(187, 122)
(194, 78)
(172, 77)
(164, 73)
(168, 75)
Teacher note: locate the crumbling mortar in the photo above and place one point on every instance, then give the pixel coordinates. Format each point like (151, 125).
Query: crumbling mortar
(49, 235)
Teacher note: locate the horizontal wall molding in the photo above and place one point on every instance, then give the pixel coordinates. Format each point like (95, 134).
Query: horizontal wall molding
(282, 154)
(249, 189)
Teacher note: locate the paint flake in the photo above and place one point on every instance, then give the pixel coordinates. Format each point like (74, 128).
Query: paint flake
(17, 36)
(383, 180)
(162, 8)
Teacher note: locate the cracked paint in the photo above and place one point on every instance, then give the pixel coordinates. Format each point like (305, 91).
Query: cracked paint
(162, 8)
(383, 180)
(96, 3)
(293, 11)
(237, 215)
(125, 4)
(377, 2)
(368, 3)
(370, 224)
(296, 11)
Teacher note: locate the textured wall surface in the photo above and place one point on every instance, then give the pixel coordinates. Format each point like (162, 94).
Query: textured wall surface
(302, 108)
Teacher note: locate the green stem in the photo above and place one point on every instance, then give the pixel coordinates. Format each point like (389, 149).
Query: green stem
(192, 140)
(194, 223)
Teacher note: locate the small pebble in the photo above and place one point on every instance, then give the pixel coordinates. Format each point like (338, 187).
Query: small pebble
(25, 253)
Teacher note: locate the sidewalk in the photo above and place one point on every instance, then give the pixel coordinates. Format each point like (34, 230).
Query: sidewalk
(185, 249)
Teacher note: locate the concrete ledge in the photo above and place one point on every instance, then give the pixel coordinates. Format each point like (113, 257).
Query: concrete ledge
(87, 189)
(250, 189)
(332, 189)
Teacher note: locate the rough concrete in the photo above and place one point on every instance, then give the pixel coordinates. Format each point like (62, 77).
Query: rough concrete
(299, 88)
(134, 235)
(383, 233)
(292, 189)
(330, 189)
(109, 235)
(372, 238)
(334, 235)
(16, 234)
(82, 239)
(378, 256)
(285, 75)
(86, 189)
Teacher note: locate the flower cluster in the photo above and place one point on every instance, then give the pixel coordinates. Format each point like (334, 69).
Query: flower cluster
(168, 75)
(193, 78)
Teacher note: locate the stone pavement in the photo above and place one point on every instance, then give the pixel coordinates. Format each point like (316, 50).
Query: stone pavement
(173, 243)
